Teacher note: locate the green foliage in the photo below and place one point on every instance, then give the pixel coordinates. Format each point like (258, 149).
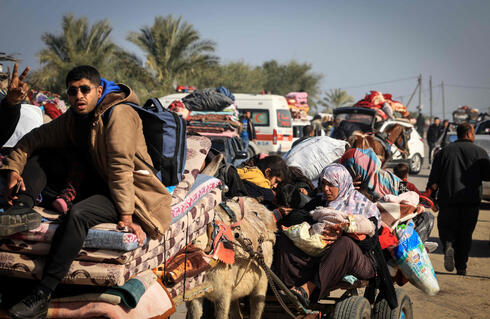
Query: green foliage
(335, 98)
(292, 77)
(174, 54)
(174, 50)
(236, 76)
(79, 44)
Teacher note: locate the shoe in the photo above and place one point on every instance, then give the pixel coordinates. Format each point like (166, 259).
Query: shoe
(18, 218)
(461, 272)
(63, 201)
(449, 257)
(430, 246)
(301, 295)
(34, 306)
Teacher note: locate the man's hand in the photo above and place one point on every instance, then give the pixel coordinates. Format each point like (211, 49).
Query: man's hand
(284, 211)
(127, 221)
(14, 184)
(17, 89)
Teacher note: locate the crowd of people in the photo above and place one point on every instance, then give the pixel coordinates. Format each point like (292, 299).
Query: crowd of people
(115, 189)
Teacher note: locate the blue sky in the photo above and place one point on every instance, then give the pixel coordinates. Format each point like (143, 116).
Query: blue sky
(352, 43)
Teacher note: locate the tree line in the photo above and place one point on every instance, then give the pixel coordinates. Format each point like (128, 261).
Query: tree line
(174, 54)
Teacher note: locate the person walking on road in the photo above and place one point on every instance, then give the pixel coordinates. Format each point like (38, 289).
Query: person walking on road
(433, 134)
(248, 130)
(457, 173)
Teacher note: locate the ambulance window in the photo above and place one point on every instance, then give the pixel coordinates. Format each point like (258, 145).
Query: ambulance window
(260, 117)
(283, 118)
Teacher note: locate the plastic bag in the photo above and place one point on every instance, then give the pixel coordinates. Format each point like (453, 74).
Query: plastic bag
(313, 154)
(312, 244)
(413, 260)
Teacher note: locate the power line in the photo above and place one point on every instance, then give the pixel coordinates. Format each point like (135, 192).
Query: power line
(378, 83)
(468, 87)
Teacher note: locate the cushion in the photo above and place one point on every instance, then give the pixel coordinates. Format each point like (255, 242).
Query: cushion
(197, 149)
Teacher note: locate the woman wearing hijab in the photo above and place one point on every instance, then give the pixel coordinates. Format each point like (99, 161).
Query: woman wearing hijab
(309, 275)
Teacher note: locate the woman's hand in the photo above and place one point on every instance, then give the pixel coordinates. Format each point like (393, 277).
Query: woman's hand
(357, 182)
(284, 211)
(332, 233)
(127, 221)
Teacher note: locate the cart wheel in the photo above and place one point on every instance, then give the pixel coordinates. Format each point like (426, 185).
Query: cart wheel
(355, 307)
(381, 310)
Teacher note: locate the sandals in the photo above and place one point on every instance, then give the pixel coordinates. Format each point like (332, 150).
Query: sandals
(301, 295)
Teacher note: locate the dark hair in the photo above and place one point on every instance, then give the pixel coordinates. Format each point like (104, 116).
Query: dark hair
(445, 121)
(436, 118)
(463, 129)
(297, 178)
(401, 170)
(83, 72)
(275, 163)
(307, 129)
(317, 116)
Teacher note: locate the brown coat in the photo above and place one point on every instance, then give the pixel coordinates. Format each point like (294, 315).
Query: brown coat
(113, 148)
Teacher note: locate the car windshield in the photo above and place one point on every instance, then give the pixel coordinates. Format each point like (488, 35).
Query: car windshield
(283, 118)
(356, 118)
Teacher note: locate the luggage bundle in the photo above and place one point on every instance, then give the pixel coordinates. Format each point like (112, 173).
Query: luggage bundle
(384, 105)
(126, 280)
(298, 105)
(209, 111)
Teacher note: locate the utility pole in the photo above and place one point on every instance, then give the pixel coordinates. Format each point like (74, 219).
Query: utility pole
(419, 80)
(443, 101)
(430, 95)
(420, 89)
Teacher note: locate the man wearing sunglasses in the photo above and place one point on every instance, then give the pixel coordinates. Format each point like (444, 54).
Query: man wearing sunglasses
(121, 190)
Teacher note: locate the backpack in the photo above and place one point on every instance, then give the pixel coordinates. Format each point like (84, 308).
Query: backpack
(166, 140)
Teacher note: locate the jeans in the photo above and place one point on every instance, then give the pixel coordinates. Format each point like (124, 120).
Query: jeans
(245, 142)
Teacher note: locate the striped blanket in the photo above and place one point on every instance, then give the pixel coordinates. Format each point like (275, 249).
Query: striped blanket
(366, 165)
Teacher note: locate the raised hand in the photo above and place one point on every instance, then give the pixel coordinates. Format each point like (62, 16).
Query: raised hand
(17, 89)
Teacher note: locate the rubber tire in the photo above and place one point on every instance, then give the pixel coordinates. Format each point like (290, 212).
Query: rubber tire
(355, 307)
(381, 310)
(418, 158)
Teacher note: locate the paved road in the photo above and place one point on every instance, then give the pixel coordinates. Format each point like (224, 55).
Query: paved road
(460, 297)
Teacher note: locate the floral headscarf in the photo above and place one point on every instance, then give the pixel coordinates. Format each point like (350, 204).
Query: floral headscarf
(349, 200)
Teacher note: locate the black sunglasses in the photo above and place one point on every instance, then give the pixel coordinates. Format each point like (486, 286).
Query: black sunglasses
(85, 89)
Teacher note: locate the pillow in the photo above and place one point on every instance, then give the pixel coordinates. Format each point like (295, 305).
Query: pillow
(197, 149)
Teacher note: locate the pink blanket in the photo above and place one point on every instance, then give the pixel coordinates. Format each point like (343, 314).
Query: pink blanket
(155, 303)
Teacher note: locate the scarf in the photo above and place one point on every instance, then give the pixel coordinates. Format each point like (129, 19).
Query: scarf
(348, 200)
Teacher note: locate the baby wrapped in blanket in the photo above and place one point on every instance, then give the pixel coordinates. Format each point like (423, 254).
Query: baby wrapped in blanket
(350, 212)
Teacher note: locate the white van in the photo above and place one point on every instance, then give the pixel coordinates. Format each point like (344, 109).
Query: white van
(272, 120)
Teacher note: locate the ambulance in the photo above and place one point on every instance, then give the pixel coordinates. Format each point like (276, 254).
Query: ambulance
(272, 120)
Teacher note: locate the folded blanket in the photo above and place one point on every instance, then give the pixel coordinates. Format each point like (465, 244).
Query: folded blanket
(146, 308)
(90, 297)
(109, 274)
(132, 291)
(393, 213)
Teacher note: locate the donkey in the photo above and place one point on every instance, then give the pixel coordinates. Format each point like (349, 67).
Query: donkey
(245, 277)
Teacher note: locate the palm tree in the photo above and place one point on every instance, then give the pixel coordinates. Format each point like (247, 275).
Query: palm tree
(336, 98)
(78, 44)
(174, 49)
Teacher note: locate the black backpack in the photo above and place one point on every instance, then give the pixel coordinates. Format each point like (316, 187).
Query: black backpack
(166, 139)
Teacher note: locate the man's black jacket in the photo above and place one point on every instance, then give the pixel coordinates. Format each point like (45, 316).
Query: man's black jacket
(458, 170)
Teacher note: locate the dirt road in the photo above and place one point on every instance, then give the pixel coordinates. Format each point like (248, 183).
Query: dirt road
(460, 296)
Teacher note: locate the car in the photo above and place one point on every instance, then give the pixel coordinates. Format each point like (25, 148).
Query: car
(484, 142)
(415, 146)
